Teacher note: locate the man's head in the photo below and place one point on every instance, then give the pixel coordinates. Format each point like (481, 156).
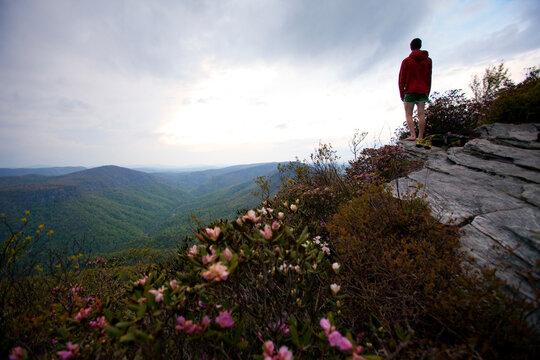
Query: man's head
(416, 44)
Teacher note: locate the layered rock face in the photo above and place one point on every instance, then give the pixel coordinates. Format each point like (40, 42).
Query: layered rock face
(490, 188)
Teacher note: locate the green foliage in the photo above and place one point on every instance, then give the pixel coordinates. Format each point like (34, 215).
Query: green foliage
(517, 104)
(487, 88)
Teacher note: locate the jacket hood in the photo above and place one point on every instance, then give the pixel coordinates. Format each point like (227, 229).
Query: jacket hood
(419, 55)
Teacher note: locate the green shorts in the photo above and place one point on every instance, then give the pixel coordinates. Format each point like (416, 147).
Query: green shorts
(415, 98)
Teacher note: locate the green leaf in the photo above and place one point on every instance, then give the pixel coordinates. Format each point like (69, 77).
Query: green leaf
(293, 323)
(130, 336)
(124, 324)
(113, 331)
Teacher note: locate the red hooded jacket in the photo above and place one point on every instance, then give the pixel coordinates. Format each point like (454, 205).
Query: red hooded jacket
(415, 74)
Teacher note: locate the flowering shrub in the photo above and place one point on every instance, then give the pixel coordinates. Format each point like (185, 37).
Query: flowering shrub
(379, 165)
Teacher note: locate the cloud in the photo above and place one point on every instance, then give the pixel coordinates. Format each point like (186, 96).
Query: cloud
(87, 81)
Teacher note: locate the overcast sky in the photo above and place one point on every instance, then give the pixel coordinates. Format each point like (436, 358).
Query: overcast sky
(191, 82)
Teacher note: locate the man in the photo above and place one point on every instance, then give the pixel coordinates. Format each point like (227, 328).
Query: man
(414, 86)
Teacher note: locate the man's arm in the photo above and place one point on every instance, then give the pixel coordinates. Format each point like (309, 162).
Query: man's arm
(429, 75)
(402, 79)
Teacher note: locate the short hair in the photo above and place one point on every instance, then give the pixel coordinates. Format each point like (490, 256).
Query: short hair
(416, 44)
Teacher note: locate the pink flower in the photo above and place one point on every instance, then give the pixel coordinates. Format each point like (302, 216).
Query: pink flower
(251, 216)
(208, 259)
(284, 354)
(227, 254)
(17, 353)
(73, 350)
(141, 281)
(344, 344)
(335, 288)
(275, 225)
(216, 272)
(325, 250)
(213, 234)
(267, 233)
(334, 338)
(189, 327)
(268, 347)
(206, 322)
(83, 313)
(173, 284)
(99, 322)
(158, 294)
(325, 324)
(294, 207)
(193, 251)
(280, 215)
(225, 319)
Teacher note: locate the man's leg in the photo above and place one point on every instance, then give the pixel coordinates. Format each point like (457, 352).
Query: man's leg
(408, 116)
(421, 119)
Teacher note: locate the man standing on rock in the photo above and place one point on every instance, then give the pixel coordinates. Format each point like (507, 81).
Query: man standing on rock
(414, 86)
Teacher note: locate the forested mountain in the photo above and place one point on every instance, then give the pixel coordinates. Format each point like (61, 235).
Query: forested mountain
(49, 171)
(115, 208)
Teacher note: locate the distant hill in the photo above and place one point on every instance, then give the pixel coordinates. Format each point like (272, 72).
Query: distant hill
(120, 208)
(113, 205)
(50, 171)
(214, 179)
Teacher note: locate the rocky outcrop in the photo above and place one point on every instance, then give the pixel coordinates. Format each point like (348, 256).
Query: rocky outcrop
(490, 188)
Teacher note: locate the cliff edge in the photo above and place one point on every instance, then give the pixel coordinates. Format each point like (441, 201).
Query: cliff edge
(490, 188)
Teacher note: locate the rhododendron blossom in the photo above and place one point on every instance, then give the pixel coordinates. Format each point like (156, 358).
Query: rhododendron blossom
(173, 284)
(83, 313)
(17, 354)
(280, 215)
(187, 326)
(335, 288)
(334, 337)
(275, 225)
(294, 207)
(267, 233)
(141, 281)
(193, 251)
(227, 254)
(99, 322)
(72, 350)
(225, 320)
(158, 294)
(251, 216)
(216, 272)
(269, 354)
(213, 234)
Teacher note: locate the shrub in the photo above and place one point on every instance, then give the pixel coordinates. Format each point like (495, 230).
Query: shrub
(402, 274)
(318, 186)
(518, 104)
(379, 165)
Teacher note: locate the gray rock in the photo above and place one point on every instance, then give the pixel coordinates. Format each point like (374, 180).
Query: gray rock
(490, 188)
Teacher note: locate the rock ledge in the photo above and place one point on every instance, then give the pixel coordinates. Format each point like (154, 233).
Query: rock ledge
(490, 188)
